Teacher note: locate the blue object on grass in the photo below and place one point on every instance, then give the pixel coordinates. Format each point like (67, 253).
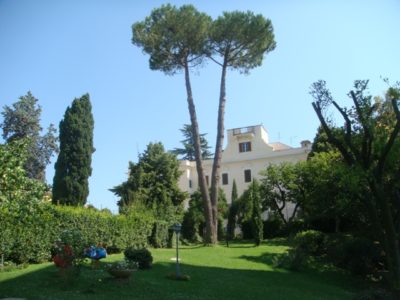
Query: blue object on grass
(95, 252)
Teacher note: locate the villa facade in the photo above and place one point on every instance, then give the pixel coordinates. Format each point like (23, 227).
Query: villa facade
(247, 153)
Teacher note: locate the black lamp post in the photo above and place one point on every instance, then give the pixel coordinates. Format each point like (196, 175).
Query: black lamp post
(177, 229)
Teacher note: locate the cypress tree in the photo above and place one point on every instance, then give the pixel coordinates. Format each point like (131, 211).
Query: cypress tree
(73, 166)
(256, 218)
(233, 210)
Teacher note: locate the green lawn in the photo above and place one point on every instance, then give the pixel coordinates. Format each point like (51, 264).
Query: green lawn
(239, 272)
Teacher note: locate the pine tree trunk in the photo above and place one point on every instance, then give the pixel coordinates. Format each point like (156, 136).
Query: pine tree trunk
(199, 165)
(218, 153)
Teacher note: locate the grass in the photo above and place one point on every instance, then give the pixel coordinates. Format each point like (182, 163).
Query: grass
(238, 272)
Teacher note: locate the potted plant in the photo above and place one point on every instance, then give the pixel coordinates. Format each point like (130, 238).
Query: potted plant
(67, 254)
(121, 269)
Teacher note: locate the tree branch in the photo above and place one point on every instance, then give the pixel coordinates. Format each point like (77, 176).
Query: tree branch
(348, 128)
(346, 155)
(367, 142)
(390, 143)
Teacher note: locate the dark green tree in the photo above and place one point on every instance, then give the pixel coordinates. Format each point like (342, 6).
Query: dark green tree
(257, 222)
(232, 213)
(320, 143)
(282, 187)
(239, 41)
(73, 166)
(153, 180)
(153, 184)
(22, 121)
(193, 224)
(187, 152)
(250, 211)
(369, 144)
(176, 40)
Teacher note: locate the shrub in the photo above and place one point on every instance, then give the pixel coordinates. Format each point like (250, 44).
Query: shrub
(142, 256)
(293, 227)
(374, 294)
(310, 241)
(360, 256)
(292, 260)
(160, 236)
(247, 230)
(273, 228)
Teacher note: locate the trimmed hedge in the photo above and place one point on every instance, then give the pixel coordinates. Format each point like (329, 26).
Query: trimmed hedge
(35, 227)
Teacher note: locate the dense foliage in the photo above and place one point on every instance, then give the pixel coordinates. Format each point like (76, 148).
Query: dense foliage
(36, 227)
(141, 256)
(187, 152)
(18, 195)
(152, 185)
(249, 213)
(22, 121)
(232, 213)
(73, 166)
(193, 225)
(369, 145)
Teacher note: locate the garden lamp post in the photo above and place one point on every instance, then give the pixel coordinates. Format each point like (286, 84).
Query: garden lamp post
(177, 229)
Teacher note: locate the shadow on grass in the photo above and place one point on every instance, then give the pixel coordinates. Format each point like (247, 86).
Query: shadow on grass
(313, 268)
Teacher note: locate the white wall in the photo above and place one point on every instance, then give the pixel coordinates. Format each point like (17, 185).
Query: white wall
(234, 163)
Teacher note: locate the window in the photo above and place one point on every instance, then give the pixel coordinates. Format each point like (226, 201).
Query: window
(224, 178)
(190, 183)
(247, 175)
(245, 147)
(207, 180)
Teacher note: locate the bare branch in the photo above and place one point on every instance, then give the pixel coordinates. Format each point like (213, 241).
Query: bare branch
(347, 156)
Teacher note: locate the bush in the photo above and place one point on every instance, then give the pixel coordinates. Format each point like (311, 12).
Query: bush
(160, 236)
(247, 230)
(34, 227)
(360, 256)
(272, 228)
(311, 242)
(374, 294)
(293, 227)
(142, 256)
(292, 260)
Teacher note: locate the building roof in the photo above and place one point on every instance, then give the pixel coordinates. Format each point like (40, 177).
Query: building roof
(279, 146)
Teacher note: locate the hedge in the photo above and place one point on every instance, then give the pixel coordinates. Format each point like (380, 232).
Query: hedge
(29, 231)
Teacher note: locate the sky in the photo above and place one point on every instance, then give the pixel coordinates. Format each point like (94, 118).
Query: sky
(62, 49)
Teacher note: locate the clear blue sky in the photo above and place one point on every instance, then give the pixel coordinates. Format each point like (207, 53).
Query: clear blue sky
(61, 49)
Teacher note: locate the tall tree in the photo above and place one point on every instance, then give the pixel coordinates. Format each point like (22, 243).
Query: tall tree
(153, 184)
(370, 146)
(188, 151)
(176, 40)
(232, 213)
(239, 40)
(257, 222)
(281, 188)
(73, 166)
(250, 211)
(22, 121)
(153, 180)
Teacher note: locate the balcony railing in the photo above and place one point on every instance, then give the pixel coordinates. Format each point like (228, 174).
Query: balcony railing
(244, 130)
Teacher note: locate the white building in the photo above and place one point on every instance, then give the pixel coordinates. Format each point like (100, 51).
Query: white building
(247, 153)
